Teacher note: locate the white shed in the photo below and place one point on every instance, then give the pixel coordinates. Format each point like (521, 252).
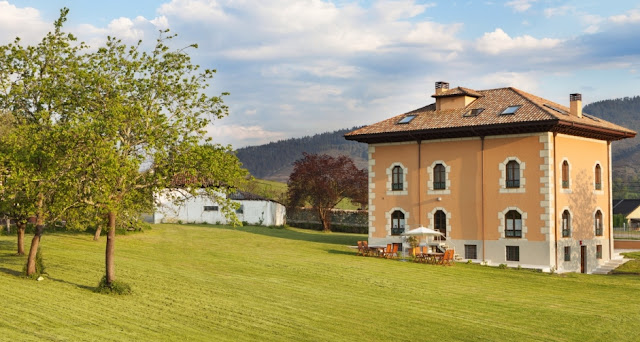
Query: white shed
(253, 209)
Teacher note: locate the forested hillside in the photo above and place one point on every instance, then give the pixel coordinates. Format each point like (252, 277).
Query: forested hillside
(625, 153)
(274, 161)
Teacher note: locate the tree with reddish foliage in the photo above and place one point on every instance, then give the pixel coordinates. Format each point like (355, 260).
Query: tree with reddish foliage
(323, 181)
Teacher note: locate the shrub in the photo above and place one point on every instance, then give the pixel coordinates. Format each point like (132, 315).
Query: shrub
(502, 266)
(469, 261)
(116, 288)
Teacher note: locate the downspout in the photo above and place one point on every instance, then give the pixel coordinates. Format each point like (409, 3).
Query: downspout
(610, 211)
(419, 183)
(555, 197)
(482, 194)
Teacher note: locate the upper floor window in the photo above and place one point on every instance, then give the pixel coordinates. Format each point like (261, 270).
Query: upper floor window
(397, 176)
(513, 174)
(598, 176)
(566, 223)
(397, 222)
(598, 223)
(565, 174)
(513, 224)
(439, 177)
(440, 222)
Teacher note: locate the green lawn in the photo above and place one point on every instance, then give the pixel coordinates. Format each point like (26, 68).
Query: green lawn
(209, 283)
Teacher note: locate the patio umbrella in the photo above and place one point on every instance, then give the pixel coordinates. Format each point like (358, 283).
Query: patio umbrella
(423, 232)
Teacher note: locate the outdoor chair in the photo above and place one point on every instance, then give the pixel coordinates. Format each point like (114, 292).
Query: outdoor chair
(393, 253)
(387, 251)
(360, 249)
(365, 247)
(447, 258)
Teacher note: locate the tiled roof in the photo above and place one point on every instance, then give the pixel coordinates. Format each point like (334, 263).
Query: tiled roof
(625, 206)
(535, 115)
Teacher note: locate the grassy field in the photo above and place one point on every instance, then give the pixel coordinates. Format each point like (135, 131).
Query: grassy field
(212, 283)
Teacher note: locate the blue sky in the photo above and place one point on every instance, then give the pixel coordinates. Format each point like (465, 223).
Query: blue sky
(300, 67)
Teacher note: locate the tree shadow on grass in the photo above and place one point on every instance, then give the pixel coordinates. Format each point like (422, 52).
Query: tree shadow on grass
(84, 287)
(10, 271)
(335, 251)
(301, 235)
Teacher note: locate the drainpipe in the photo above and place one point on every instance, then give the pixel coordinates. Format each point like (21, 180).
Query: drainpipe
(610, 211)
(555, 197)
(482, 194)
(419, 184)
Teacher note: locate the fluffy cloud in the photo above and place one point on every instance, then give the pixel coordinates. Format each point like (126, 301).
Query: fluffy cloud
(632, 16)
(25, 23)
(498, 41)
(520, 5)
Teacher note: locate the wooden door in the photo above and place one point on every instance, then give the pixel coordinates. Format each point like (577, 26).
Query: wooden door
(583, 259)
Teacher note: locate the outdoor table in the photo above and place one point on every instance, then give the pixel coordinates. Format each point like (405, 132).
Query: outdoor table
(433, 258)
(376, 250)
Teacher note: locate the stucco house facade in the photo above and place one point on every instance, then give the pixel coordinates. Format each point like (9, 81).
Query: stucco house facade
(506, 176)
(253, 209)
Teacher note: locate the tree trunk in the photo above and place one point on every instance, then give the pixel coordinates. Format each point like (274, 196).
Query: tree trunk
(35, 242)
(111, 239)
(7, 222)
(325, 219)
(22, 226)
(96, 236)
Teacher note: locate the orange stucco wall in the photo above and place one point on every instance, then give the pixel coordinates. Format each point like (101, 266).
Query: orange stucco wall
(465, 198)
(581, 198)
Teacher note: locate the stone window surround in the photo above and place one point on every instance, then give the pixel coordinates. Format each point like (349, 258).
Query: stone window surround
(387, 216)
(447, 170)
(501, 227)
(595, 191)
(432, 224)
(503, 180)
(562, 189)
(570, 223)
(405, 181)
(594, 221)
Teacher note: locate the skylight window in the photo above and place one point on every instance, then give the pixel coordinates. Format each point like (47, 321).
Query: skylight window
(556, 109)
(591, 117)
(510, 110)
(473, 112)
(406, 119)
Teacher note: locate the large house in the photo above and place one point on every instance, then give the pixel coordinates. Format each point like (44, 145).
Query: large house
(506, 176)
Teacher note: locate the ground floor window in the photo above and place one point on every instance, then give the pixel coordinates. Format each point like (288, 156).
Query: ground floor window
(470, 252)
(513, 253)
(598, 251)
(567, 253)
(210, 208)
(397, 223)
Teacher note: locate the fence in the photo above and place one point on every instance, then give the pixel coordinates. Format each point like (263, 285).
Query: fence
(347, 221)
(626, 233)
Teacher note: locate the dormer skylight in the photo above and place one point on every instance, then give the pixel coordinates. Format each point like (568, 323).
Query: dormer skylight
(556, 109)
(510, 110)
(406, 119)
(473, 112)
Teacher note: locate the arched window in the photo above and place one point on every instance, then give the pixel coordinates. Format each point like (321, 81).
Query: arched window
(397, 178)
(439, 177)
(397, 222)
(598, 223)
(513, 224)
(440, 222)
(598, 176)
(513, 174)
(565, 174)
(566, 223)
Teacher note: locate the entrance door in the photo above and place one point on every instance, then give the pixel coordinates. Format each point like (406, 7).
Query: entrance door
(583, 259)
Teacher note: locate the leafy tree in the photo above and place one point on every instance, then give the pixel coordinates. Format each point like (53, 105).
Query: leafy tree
(323, 181)
(146, 117)
(41, 89)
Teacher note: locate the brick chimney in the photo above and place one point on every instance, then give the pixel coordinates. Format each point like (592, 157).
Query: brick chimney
(441, 87)
(575, 101)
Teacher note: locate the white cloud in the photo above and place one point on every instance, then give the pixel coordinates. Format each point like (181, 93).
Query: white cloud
(632, 16)
(527, 81)
(592, 22)
(316, 93)
(332, 69)
(520, 5)
(558, 11)
(194, 10)
(498, 41)
(25, 23)
(240, 136)
(394, 10)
